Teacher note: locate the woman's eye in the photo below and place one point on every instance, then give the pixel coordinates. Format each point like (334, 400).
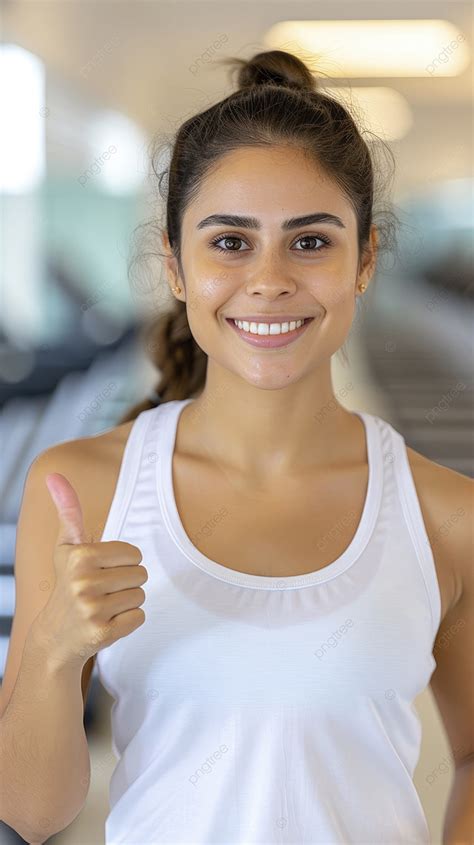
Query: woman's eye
(313, 239)
(227, 239)
(308, 239)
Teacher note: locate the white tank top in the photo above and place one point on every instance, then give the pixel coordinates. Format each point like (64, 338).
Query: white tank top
(255, 709)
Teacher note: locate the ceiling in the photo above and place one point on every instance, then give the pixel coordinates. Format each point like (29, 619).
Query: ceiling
(147, 60)
(142, 58)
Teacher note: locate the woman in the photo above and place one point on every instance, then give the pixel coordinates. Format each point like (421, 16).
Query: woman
(293, 600)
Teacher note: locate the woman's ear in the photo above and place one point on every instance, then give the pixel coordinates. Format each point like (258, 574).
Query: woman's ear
(170, 263)
(369, 258)
(165, 241)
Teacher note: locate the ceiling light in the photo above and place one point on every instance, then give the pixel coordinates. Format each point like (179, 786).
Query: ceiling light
(375, 48)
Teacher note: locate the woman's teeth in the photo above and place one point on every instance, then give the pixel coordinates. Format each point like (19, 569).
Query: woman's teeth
(268, 328)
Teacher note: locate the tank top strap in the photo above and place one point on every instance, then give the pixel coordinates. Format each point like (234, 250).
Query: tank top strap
(128, 473)
(410, 505)
(165, 426)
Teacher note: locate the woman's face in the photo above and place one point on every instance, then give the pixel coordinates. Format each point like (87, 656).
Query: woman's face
(268, 268)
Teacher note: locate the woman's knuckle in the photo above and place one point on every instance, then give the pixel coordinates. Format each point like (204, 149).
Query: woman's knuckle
(78, 587)
(84, 556)
(76, 556)
(91, 610)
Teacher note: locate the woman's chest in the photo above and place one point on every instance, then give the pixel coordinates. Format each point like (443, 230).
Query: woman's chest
(288, 529)
(285, 530)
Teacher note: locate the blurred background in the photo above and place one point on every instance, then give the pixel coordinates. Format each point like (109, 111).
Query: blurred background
(84, 89)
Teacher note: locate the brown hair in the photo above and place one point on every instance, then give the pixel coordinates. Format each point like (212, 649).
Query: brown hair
(278, 101)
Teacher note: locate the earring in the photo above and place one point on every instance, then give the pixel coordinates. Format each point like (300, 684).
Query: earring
(177, 289)
(362, 287)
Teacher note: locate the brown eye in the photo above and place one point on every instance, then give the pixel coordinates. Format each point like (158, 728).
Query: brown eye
(313, 238)
(227, 239)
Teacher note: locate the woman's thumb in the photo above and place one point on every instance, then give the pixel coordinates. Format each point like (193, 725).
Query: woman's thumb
(66, 500)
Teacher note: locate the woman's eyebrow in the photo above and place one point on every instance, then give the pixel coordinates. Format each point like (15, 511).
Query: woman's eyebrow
(253, 223)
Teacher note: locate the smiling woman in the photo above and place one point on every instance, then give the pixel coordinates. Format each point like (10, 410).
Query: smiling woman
(269, 516)
(271, 520)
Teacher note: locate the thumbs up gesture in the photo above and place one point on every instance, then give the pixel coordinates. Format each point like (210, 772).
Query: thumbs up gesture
(97, 593)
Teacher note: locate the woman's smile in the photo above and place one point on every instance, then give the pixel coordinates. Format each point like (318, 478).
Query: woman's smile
(258, 334)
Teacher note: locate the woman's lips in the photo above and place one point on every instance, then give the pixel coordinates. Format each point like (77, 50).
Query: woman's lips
(270, 340)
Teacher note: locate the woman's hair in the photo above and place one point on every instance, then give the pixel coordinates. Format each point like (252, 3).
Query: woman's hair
(278, 102)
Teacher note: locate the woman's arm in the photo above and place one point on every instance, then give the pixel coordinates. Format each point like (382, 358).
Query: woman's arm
(459, 821)
(452, 681)
(44, 756)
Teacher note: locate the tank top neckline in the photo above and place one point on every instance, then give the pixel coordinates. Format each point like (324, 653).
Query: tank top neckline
(165, 446)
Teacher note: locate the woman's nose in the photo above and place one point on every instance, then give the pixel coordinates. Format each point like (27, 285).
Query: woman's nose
(269, 278)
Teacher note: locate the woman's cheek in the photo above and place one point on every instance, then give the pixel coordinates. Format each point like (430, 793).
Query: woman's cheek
(338, 293)
(204, 295)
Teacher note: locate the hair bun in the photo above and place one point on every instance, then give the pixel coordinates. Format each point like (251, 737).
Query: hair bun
(275, 67)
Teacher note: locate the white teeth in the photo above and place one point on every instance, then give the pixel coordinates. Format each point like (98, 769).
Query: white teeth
(268, 328)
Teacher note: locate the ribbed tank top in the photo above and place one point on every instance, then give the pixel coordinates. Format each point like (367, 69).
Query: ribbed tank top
(253, 709)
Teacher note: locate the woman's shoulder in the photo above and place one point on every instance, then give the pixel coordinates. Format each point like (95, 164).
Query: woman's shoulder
(445, 490)
(446, 503)
(92, 466)
(93, 450)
